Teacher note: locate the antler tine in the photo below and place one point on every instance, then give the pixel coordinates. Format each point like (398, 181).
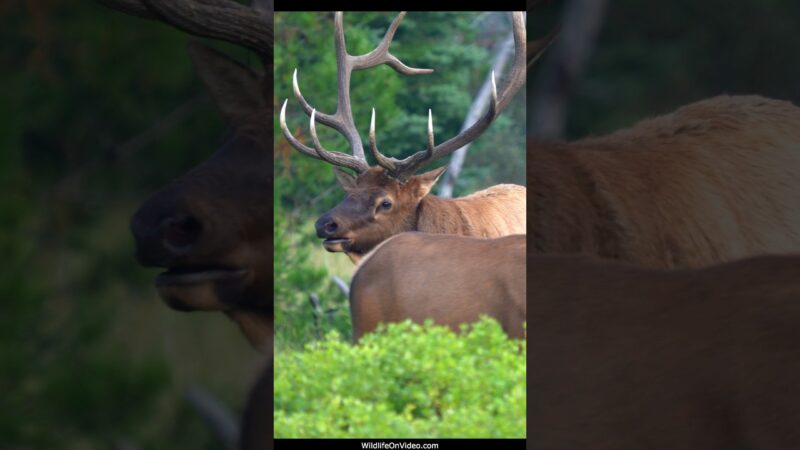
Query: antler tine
(217, 19)
(383, 161)
(498, 103)
(391, 164)
(332, 121)
(318, 152)
(430, 132)
(381, 54)
(302, 148)
(342, 120)
(519, 70)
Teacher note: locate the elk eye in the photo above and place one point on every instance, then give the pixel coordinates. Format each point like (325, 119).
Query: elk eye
(386, 204)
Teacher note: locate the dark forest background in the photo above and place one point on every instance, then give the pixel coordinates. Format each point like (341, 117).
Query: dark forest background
(100, 109)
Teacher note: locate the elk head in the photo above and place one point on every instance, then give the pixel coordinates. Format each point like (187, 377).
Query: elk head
(210, 229)
(383, 200)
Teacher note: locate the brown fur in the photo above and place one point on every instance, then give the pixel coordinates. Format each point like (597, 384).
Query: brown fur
(714, 181)
(422, 276)
(493, 212)
(630, 358)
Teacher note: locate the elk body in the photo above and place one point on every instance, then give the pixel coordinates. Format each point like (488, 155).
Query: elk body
(450, 279)
(714, 181)
(625, 357)
(388, 198)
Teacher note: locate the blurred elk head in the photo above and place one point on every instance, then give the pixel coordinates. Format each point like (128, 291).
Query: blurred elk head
(209, 228)
(388, 198)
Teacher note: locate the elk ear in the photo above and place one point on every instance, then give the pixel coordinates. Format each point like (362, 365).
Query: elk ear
(236, 89)
(428, 179)
(347, 181)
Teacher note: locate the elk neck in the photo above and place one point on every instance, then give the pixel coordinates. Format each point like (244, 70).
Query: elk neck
(443, 215)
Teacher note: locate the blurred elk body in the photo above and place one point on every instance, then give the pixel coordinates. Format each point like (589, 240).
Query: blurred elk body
(627, 357)
(448, 278)
(388, 198)
(714, 181)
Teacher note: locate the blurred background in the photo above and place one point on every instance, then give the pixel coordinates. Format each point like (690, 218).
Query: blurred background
(100, 109)
(624, 60)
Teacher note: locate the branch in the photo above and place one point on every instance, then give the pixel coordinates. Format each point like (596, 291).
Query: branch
(316, 310)
(221, 421)
(342, 285)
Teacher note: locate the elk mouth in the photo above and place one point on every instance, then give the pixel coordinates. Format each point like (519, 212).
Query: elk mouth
(201, 288)
(337, 244)
(198, 274)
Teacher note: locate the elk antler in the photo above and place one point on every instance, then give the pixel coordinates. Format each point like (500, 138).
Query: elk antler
(226, 20)
(342, 120)
(402, 169)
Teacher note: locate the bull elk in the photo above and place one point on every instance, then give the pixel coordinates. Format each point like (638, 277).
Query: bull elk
(713, 181)
(448, 278)
(387, 199)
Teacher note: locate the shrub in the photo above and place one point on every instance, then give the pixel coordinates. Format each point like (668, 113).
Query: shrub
(404, 381)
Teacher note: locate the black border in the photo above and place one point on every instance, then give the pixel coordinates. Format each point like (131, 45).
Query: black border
(401, 444)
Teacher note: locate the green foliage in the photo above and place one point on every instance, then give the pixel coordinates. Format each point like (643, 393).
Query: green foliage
(405, 380)
(296, 277)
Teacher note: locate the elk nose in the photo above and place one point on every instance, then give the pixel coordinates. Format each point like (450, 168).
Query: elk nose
(326, 226)
(179, 233)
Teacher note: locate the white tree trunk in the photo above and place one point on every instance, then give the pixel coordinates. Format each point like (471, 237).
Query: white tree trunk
(503, 52)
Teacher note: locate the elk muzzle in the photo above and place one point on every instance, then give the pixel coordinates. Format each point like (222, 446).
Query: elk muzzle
(327, 229)
(169, 235)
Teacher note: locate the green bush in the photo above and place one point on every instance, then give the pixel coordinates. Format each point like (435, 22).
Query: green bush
(403, 381)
